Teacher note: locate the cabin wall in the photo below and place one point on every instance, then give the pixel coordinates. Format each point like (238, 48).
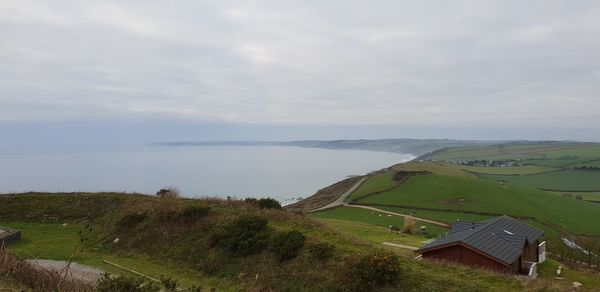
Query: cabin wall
(461, 254)
(530, 252)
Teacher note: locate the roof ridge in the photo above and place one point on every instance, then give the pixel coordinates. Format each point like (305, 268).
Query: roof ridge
(507, 240)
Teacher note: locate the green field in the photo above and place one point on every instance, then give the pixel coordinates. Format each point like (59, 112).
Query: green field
(372, 218)
(549, 154)
(58, 242)
(565, 180)
(373, 184)
(466, 194)
(525, 169)
(442, 216)
(374, 234)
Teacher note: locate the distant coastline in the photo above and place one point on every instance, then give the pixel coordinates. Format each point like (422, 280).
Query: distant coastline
(415, 147)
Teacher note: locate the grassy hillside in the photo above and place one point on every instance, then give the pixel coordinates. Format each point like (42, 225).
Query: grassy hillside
(194, 242)
(565, 180)
(469, 194)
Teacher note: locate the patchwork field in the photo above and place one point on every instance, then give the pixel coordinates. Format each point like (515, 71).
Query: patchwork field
(549, 154)
(564, 180)
(438, 192)
(525, 169)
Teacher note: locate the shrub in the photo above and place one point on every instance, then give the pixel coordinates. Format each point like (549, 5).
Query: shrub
(286, 245)
(169, 284)
(213, 261)
(269, 203)
(170, 192)
(409, 224)
(125, 284)
(568, 195)
(132, 220)
(579, 197)
(321, 251)
(193, 213)
(252, 201)
(247, 235)
(366, 272)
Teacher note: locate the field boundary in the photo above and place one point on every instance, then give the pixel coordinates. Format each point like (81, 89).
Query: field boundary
(442, 210)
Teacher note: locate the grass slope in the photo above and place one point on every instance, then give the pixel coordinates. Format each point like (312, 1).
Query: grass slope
(155, 240)
(466, 194)
(567, 180)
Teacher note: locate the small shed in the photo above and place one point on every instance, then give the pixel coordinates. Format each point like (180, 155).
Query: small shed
(502, 244)
(9, 236)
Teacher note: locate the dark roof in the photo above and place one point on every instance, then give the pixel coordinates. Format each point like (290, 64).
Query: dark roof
(502, 238)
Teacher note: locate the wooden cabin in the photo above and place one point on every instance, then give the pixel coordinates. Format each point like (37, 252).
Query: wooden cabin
(501, 244)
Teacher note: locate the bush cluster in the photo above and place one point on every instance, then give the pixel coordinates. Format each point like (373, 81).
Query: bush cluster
(321, 251)
(170, 192)
(363, 273)
(247, 235)
(269, 203)
(193, 213)
(138, 284)
(286, 245)
(132, 220)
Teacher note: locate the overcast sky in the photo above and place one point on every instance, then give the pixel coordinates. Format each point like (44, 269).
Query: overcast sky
(471, 65)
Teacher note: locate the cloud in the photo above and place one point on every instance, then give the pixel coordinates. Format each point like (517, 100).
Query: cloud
(425, 63)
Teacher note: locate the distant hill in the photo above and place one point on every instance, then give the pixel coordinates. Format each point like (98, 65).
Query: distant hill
(415, 147)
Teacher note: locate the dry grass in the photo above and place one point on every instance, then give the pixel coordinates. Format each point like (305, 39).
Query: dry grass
(409, 225)
(25, 274)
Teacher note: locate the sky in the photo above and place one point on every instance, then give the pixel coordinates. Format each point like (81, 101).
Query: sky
(275, 70)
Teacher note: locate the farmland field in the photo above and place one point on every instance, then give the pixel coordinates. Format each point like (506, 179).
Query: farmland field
(373, 184)
(565, 180)
(550, 155)
(370, 217)
(466, 194)
(526, 169)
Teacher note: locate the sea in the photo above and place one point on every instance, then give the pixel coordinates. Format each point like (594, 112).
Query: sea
(284, 173)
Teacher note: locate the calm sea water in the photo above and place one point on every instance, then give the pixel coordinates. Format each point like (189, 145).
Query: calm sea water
(279, 172)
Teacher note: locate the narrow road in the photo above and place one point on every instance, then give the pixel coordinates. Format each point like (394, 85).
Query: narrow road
(400, 245)
(340, 200)
(437, 223)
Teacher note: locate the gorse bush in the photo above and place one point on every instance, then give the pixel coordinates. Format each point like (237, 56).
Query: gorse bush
(193, 213)
(286, 245)
(321, 251)
(170, 192)
(363, 273)
(269, 203)
(247, 235)
(132, 220)
(252, 201)
(125, 284)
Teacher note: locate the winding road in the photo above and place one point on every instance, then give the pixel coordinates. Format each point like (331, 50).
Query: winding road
(341, 201)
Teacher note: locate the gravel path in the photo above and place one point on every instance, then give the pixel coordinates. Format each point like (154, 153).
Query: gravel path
(341, 199)
(400, 245)
(438, 223)
(77, 271)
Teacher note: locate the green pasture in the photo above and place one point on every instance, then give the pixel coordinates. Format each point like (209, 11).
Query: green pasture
(525, 169)
(373, 184)
(58, 242)
(372, 218)
(565, 180)
(466, 194)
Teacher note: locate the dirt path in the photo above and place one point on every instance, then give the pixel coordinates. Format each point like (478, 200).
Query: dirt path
(76, 271)
(400, 245)
(340, 200)
(437, 223)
